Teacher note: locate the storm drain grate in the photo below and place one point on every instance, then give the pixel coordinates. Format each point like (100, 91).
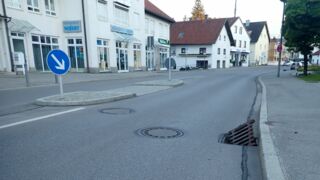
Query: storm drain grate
(160, 132)
(242, 135)
(117, 111)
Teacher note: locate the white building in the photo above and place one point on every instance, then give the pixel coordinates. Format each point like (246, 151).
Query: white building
(157, 31)
(316, 57)
(259, 45)
(98, 35)
(202, 43)
(240, 52)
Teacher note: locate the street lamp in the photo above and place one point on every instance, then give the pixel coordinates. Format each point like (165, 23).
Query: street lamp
(280, 49)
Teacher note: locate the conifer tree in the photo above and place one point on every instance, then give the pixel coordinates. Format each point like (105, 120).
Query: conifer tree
(198, 12)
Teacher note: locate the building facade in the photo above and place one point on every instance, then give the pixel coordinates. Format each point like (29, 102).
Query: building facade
(259, 44)
(98, 35)
(273, 55)
(202, 43)
(240, 52)
(157, 36)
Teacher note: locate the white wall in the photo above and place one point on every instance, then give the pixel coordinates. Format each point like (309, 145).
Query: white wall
(260, 55)
(222, 43)
(243, 37)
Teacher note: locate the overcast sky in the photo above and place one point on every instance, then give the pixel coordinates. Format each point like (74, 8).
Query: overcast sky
(254, 10)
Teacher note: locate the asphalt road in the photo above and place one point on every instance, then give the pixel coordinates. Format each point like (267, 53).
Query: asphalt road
(88, 144)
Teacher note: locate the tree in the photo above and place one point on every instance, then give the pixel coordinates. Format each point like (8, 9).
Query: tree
(302, 27)
(198, 12)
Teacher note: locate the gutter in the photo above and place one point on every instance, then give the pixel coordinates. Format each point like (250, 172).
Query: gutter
(7, 33)
(85, 35)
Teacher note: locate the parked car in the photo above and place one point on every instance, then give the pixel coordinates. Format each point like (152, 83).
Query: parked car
(287, 63)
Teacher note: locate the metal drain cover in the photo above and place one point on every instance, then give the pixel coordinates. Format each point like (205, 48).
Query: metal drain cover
(117, 111)
(160, 132)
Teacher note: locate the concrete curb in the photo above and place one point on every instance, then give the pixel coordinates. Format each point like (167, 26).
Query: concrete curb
(271, 168)
(172, 83)
(57, 101)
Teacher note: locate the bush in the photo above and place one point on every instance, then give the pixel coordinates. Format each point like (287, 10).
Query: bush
(310, 68)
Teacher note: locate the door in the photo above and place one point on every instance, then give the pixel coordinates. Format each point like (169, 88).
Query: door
(122, 59)
(150, 60)
(18, 45)
(218, 64)
(76, 54)
(223, 64)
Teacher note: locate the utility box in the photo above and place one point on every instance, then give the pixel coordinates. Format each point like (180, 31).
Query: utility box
(18, 59)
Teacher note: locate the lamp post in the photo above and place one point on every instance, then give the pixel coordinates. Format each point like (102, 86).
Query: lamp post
(280, 52)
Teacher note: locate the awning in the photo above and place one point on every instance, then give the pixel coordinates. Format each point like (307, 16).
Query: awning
(16, 25)
(125, 37)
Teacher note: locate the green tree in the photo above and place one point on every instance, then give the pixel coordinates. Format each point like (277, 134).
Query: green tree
(198, 12)
(302, 26)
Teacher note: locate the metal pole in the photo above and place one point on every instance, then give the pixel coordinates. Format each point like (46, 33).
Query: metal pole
(61, 87)
(170, 68)
(26, 72)
(280, 53)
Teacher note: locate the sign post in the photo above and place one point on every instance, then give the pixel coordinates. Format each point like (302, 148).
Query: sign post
(59, 63)
(169, 63)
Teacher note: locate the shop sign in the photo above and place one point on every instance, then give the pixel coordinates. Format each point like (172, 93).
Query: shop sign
(71, 26)
(164, 41)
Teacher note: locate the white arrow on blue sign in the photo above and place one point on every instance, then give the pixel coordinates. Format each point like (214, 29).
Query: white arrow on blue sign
(58, 62)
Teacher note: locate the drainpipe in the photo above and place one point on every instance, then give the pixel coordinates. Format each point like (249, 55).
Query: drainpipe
(8, 36)
(85, 35)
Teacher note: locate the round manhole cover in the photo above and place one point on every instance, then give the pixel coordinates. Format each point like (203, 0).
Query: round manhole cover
(160, 132)
(117, 111)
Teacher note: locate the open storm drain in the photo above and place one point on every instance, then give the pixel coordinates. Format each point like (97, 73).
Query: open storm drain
(242, 135)
(160, 132)
(117, 111)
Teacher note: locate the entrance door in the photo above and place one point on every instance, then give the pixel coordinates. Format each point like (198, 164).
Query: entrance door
(218, 64)
(223, 64)
(150, 60)
(76, 54)
(122, 56)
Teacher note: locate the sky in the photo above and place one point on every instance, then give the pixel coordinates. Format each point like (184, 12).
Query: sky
(253, 10)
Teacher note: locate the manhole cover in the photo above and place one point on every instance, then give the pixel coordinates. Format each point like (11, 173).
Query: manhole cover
(117, 111)
(160, 132)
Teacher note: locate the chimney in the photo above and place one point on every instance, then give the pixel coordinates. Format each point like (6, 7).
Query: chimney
(247, 23)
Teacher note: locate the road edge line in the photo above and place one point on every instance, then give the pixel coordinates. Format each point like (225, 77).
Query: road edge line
(271, 168)
(40, 118)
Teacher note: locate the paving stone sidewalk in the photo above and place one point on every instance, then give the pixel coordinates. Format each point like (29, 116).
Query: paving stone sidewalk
(294, 121)
(12, 81)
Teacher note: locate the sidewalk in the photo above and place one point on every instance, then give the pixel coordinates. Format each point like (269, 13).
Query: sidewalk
(11, 81)
(294, 122)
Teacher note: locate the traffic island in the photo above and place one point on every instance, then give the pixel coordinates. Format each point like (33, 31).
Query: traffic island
(82, 98)
(172, 83)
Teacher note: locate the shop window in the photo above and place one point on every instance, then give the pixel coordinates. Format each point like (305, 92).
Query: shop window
(137, 56)
(33, 5)
(50, 7)
(42, 45)
(76, 53)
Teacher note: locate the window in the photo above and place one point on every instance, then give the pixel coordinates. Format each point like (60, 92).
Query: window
(33, 5)
(245, 44)
(137, 56)
(42, 45)
(183, 50)
(235, 29)
(224, 51)
(14, 3)
(240, 30)
(102, 10)
(220, 38)
(240, 43)
(121, 14)
(50, 8)
(202, 51)
(146, 25)
(218, 50)
(224, 38)
(151, 28)
(235, 43)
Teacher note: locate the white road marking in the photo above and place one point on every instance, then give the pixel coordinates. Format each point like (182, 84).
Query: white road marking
(41, 117)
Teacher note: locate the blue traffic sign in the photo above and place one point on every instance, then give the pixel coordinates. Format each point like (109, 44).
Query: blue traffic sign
(58, 62)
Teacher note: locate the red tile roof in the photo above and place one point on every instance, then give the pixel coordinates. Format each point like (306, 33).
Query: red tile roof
(198, 32)
(316, 53)
(155, 11)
